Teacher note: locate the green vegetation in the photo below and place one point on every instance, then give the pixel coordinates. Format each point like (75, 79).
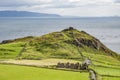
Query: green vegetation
(111, 78)
(12, 72)
(108, 71)
(105, 66)
(56, 45)
(10, 50)
(63, 45)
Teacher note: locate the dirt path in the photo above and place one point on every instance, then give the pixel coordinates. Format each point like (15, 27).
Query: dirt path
(45, 62)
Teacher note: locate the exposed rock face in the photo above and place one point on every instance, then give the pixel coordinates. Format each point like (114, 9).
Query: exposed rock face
(6, 41)
(68, 29)
(96, 44)
(90, 42)
(18, 39)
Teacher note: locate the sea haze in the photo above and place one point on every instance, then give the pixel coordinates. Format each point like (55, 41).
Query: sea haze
(106, 29)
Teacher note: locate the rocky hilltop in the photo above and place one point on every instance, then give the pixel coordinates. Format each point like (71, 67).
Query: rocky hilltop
(68, 43)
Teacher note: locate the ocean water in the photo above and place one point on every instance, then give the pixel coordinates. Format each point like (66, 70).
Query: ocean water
(107, 30)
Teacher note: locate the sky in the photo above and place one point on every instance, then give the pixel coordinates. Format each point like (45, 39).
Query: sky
(80, 8)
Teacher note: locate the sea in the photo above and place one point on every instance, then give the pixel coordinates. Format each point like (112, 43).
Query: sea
(106, 29)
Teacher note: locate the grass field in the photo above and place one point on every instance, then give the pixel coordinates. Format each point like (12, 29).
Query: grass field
(10, 50)
(108, 72)
(52, 48)
(110, 78)
(14, 72)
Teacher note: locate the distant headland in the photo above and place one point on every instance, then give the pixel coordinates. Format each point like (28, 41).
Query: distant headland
(25, 14)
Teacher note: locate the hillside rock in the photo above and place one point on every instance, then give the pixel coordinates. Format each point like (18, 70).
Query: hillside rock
(90, 42)
(17, 40)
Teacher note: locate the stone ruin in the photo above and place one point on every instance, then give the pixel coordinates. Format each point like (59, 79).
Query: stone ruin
(83, 66)
(76, 66)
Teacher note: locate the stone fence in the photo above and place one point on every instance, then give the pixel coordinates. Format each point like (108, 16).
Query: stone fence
(77, 66)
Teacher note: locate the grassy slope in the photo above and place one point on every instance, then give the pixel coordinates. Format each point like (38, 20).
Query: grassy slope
(105, 66)
(111, 78)
(10, 50)
(54, 45)
(12, 72)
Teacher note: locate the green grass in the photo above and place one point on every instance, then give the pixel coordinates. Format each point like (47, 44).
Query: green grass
(14, 72)
(53, 45)
(10, 50)
(107, 71)
(50, 50)
(111, 78)
(62, 45)
(105, 65)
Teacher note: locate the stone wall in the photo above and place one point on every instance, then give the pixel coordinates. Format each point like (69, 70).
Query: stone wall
(77, 66)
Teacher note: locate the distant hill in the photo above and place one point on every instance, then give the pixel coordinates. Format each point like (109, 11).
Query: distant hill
(25, 14)
(64, 44)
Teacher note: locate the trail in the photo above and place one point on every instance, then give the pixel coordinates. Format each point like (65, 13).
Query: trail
(22, 50)
(92, 72)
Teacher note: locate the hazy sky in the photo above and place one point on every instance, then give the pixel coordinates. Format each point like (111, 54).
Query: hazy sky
(65, 7)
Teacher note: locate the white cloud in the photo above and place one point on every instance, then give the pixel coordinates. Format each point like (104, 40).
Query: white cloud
(65, 7)
(117, 1)
(9, 3)
(54, 3)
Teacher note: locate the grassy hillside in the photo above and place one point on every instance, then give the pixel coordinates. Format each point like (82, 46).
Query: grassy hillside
(11, 50)
(30, 73)
(66, 44)
(63, 44)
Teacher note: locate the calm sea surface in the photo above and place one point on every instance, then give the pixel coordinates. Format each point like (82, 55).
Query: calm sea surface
(106, 30)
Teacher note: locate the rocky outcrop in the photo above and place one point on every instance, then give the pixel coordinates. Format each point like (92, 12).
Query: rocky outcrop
(90, 42)
(17, 40)
(94, 44)
(6, 41)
